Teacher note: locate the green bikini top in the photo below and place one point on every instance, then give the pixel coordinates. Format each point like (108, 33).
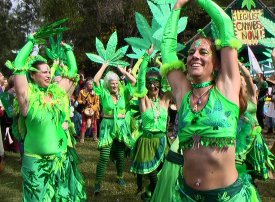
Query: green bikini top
(45, 135)
(213, 126)
(155, 118)
(108, 106)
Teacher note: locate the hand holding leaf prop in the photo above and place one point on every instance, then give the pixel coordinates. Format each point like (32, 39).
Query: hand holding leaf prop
(153, 34)
(109, 55)
(56, 50)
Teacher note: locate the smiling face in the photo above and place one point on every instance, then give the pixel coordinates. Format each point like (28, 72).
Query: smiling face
(201, 60)
(113, 86)
(42, 78)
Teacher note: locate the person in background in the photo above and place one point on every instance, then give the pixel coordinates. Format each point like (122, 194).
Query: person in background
(90, 110)
(262, 93)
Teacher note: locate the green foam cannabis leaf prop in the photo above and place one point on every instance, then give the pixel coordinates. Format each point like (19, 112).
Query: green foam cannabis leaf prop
(56, 51)
(49, 30)
(153, 34)
(248, 4)
(109, 54)
(270, 27)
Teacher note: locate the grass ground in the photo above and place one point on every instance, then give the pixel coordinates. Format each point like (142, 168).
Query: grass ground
(11, 190)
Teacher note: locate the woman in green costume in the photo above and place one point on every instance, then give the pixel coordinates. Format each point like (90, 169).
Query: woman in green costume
(252, 154)
(115, 131)
(49, 167)
(208, 110)
(150, 147)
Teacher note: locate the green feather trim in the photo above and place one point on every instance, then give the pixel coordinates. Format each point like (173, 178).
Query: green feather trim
(141, 94)
(166, 68)
(74, 77)
(233, 43)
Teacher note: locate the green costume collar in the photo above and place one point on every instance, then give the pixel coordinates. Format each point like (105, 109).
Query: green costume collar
(203, 85)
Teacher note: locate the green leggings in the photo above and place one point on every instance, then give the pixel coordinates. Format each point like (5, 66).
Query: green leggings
(119, 155)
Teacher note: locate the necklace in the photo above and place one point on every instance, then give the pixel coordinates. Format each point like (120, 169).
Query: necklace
(202, 85)
(198, 102)
(156, 109)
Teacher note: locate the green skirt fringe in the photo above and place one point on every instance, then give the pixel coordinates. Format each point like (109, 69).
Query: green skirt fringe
(110, 131)
(52, 178)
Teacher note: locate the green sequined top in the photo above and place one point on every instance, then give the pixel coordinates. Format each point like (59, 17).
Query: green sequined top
(155, 118)
(214, 126)
(45, 135)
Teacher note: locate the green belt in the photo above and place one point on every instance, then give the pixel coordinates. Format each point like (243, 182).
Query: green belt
(152, 134)
(215, 195)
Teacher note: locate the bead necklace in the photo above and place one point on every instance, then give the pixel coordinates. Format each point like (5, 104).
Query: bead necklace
(198, 102)
(156, 109)
(202, 85)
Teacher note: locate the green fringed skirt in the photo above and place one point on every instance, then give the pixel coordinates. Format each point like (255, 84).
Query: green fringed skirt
(149, 152)
(52, 178)
(240, 191)
(109, 130)
(251, 149)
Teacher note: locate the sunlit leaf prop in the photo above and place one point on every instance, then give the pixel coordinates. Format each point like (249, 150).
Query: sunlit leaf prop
(153, 34)
(270, 27)
(109, 54)
(248, 4)
(164, 1)
(268, 42)
(50, 30)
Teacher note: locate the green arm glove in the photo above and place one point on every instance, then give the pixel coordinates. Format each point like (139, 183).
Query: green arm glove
(141, 90)
(169, 45)
(22, 56)
(72, 66)
(223, 23)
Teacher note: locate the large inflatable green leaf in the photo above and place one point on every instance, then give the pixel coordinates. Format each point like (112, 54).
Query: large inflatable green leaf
(268, 42)
(109, 55)
(138, 42)
(100, 48)
(268, 25)
(95, 58)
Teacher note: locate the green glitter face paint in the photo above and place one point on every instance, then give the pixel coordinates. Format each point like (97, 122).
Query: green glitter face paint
(197, 43)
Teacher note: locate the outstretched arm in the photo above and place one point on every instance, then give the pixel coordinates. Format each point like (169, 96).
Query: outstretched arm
(99, 74)
(20, 79)
(71, 76)
(172, 67)
(229, 77)
(251, 91)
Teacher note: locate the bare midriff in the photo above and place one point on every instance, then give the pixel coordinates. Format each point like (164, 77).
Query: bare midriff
(208, 168)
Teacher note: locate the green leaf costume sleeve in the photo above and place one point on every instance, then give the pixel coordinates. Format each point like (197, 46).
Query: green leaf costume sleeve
(223, 23)
(20, 60)
(72, 66)
(141, 90)
(169, 45)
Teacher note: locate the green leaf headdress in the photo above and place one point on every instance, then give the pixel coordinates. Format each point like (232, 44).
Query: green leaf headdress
(109, 54)
(268, 42)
